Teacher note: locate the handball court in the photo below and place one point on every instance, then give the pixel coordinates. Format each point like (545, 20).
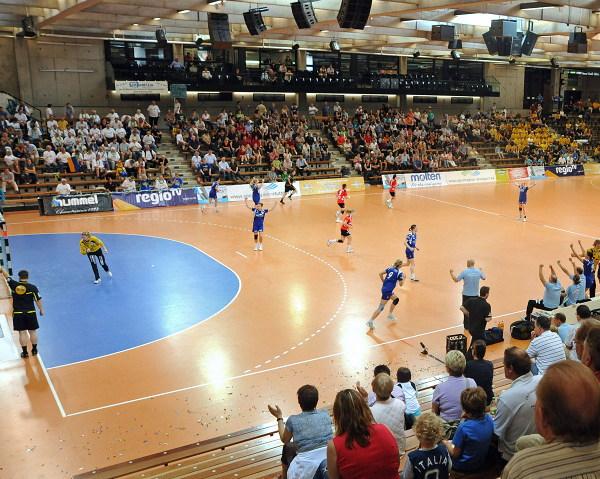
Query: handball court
(270, 321)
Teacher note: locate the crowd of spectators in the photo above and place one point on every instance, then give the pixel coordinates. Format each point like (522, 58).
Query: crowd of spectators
(277, 139)
(546, 423)
(110, 147)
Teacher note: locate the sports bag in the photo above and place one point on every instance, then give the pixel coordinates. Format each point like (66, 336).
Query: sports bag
(493, 335)
(521, 329)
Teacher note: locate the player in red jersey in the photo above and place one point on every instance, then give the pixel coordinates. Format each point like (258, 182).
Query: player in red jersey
(342, 196)
(393, 186)
(345, 232)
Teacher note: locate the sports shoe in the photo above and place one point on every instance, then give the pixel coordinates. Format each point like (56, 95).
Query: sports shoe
(109, 274)
(256, 247)
(260, 247)
(24, 354)
(330, 242)
(349, 250)
(391, 317)
(388, 203)
(524, 219)
(370, 324)
(414, 278)
(97, 281)
(338, 220)
(34, 351)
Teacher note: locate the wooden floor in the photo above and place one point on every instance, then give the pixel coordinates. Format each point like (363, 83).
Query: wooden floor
(299, 317)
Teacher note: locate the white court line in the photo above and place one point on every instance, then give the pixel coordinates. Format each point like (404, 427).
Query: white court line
(493, 213)
(242, 255)
(570, 232)
(249, 373)
(52, 389)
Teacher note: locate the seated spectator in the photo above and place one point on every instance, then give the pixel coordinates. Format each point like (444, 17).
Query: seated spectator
(552, 291)
(564, 330)
(176, 181)
(471, 442)
(591, 351)
(63, 158)
(546, 347)
(514, 415)
(206, 74)
(387, 409)
(446, 395)
(224, 169)
(128, 185)
(8, 179)
(431, 459)
(361, 448)
(63, 188)
(481, 370)
(49, 157)
(581, 333)
(310, 430)
(409, 390)
(160, 183)
(583, 315)
(30, 172)
(396, 391)
(567, 415)
(176, 64)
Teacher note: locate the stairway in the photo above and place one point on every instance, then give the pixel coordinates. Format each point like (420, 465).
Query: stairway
(338, 160)
(177, 161)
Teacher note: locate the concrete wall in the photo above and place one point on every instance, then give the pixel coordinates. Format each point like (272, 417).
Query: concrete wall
(8, 67)
(512, 86)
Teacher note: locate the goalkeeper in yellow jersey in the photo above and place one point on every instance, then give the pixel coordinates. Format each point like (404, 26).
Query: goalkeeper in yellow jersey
(92, 246)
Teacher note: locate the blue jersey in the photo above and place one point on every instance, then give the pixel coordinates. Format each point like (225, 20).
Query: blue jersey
(255, 193)
(213, 190)
(392, 276)
(411, 239)
(588, 271)
(259, 219)
(523, 193)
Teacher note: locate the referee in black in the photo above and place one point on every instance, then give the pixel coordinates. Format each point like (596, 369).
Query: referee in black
(25, 296)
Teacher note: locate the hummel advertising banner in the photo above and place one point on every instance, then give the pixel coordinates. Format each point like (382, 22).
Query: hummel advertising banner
(69, 204)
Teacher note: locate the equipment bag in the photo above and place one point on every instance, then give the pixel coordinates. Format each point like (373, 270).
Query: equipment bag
(521, 329)
(493, 335)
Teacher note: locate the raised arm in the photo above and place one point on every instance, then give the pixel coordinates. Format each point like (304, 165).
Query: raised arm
(541, 274)
(565, 270)
(574, 253)
(246, 203)
(453, 276)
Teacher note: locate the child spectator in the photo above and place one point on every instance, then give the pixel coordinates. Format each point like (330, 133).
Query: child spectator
(431, 459)
(564, 330)
(413, 408)
(471, 442)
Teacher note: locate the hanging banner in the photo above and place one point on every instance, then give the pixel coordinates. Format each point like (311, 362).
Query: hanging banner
(142, 86)
(564, 170)
(155, 199)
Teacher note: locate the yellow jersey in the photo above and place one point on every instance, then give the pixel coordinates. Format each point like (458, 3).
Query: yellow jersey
(90, 245)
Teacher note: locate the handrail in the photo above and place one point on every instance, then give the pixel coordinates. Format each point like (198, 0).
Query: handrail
(20, 100)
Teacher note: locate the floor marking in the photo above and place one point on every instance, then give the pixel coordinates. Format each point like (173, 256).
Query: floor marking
(249, 373)
(493, 213)
(52, 389)
(242, 255)
(570, 232)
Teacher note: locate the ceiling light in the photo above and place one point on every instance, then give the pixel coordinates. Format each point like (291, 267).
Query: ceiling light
(554, 63)
(215, 2)
(334, 46)
(184, 11)
(324, 31)
(156, 19)
(417, 54)
(455, 55)
(535, 5)
(136, 24)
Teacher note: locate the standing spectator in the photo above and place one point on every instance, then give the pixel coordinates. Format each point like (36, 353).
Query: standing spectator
(69, 113)
(552, 290)
(481, 370)
(514, 416)
(310, 430)
(477, 312)
(25, 297)
(387, 409)
(446, 395)
(470, 278)
(8, 179)
(431, 459)
(567, 415)
(153, 113)
(413, 408)
(49, 112)
(470, 444)
(63, 188)
(361, 449)
(546, 348)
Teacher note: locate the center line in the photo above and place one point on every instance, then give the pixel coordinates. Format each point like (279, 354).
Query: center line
(242, 255)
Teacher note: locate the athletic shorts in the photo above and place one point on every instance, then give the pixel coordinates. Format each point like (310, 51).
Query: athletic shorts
(25, 322)
(410, 254)
(522, 202)
(385, 295)
(258, 228)
(342, 205)
(212, 197)
(289, 188)
(392, 193)
(345, 232)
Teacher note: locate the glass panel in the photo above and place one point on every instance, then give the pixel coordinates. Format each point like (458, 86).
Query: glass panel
(252, 59)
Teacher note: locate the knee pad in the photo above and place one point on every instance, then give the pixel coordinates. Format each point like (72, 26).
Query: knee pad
(255, 236)
(396, 301)
(520, 208)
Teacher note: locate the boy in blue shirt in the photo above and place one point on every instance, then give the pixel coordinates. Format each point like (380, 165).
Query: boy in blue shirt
(431, 459)
(471, 441)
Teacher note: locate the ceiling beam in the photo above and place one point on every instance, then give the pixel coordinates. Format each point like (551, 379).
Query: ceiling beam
(78, 7)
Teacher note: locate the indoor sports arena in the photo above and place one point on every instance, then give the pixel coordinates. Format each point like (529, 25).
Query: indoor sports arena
(321, 239)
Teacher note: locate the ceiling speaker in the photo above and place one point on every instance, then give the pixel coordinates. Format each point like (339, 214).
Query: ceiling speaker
(491, 43)
(304, 14)
(529, 43)
(254, 22)
(354, 13)
(161, 37)
(218, 28)
(442, 33)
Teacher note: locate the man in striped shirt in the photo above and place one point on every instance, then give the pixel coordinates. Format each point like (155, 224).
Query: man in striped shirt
(567, 415)
(546, 348)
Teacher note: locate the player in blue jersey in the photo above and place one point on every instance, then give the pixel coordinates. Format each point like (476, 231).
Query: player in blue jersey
(411, 246)
(256, 186)
(212, 194)
(258, 224)
(389, 278)
(587, 259)
(523, 189)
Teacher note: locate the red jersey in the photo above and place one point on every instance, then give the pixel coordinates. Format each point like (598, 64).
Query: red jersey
(393, 185)
(347, 224)
(342, 194)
